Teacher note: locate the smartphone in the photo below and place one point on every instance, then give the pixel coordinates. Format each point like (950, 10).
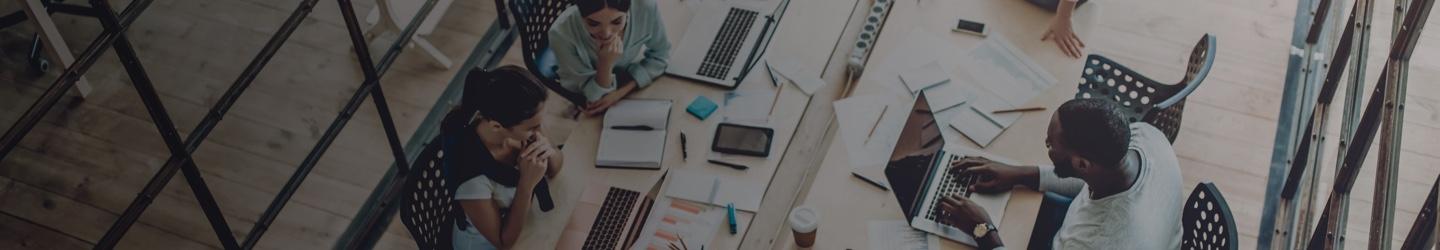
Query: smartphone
(742, 140)
(972, 27)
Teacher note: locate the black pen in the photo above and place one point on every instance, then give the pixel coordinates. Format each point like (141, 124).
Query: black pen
(633, 127)
(684, 152)
(731, 165)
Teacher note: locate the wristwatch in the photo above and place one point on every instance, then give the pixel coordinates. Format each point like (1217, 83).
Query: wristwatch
(984, 229)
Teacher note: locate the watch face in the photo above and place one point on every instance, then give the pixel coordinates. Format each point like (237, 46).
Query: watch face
(981, 230)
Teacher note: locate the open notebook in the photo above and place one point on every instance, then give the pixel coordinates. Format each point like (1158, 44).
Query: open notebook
(634, 134)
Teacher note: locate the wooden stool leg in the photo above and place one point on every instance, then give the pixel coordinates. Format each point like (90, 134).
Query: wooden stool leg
(55, 46)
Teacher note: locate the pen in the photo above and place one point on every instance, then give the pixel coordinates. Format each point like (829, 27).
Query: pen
(684, 152)
(731, 208)
(1017, 110)
(872, 182)
(633, 127)
(877, 123)
(731, 165)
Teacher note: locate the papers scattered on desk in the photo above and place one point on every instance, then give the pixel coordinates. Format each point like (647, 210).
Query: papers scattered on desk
(714, 190)
(631, 148)
(997, 76)
(750, 105)
(868, 151)
(898, 235)
(807, 80)
(947, 95)
(924, 77)
(672, 219)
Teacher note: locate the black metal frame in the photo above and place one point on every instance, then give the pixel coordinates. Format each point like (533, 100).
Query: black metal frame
(1379, 113)
(180, 159)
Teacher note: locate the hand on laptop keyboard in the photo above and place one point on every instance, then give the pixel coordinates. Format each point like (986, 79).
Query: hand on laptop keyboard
(994, 177)
(963, 213)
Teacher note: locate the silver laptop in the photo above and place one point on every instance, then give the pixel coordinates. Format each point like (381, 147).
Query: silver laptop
(920, 176)
(720, 44)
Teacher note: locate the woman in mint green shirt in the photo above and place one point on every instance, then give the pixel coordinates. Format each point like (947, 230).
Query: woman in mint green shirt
(606, 49)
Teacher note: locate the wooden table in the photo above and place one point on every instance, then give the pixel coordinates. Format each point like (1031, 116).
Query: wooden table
(847, 204)
(805, 21)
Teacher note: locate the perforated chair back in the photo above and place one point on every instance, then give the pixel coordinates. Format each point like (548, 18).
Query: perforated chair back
(1145, 99)
(427, 206)
(533, 19)
(1207, 221)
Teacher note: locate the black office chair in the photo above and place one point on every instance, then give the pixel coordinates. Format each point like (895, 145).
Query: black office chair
(1146, 99)
(1207, 221)
(428, 206)
(533, 18)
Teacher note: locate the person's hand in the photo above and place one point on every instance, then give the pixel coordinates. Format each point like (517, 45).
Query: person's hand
(964, 213)
(993, 176)
(1064, 36)
(609, 53)
(534, 160)
(598, 107)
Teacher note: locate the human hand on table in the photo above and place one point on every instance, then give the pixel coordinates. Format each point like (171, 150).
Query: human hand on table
(1063, 34)
(598, 107)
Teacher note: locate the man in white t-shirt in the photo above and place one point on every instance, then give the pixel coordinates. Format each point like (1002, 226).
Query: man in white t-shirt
(1124, 178)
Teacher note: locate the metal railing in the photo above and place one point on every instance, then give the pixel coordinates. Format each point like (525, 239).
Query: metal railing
(1381, 118)
(180, 151)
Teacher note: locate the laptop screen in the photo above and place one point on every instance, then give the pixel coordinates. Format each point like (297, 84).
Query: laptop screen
(914, 154)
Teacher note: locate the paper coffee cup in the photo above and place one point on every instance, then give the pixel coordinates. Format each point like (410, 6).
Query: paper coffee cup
(804, 222)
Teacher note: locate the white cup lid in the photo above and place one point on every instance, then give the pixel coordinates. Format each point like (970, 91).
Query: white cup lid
(803, 219)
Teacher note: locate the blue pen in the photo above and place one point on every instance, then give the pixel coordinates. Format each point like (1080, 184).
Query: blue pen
(731, 208)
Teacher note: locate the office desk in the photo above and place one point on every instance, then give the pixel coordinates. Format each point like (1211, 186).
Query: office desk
(847, 204)
(817, 18)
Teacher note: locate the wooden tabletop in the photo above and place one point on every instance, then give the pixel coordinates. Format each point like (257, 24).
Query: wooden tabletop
(815, 17)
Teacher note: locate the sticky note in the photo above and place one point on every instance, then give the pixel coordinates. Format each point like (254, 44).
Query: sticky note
(702, 107)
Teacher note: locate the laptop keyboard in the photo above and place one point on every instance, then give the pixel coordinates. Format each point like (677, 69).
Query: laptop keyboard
(952, 183)
(609, 224)
(727, 43)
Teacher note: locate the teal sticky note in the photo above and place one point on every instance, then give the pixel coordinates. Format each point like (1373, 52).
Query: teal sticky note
(702, 107)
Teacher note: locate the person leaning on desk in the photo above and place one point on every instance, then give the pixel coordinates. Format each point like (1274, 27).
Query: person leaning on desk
(496, 156)
(608, 48)
(1124, 180)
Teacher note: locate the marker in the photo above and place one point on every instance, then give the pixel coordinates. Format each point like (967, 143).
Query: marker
(633, 127)
(731, 211)
(684, 152)
(727, 164)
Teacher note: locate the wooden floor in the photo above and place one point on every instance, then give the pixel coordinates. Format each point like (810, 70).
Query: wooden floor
(81, 166)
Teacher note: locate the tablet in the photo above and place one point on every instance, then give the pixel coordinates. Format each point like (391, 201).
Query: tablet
(742, 140)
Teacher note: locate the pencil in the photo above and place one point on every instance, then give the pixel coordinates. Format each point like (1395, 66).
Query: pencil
(877, 124)
(1026, 109)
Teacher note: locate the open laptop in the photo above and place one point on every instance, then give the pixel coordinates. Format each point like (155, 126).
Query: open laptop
(608, 217)
(722, 42)
(919, 175)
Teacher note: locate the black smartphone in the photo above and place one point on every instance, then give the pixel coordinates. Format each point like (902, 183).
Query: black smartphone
(972, 27)
(742, 140)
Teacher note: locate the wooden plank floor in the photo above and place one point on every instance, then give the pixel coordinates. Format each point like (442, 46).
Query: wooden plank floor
(83, 164)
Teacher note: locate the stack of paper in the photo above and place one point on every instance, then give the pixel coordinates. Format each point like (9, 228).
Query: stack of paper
(714, 190)
(634, 134)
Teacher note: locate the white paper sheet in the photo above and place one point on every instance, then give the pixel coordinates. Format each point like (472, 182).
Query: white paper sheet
(672, 220)
(750, 105)
(926, 76)
(714, 190)
(856, 117)
(805, 78)
(898, 235)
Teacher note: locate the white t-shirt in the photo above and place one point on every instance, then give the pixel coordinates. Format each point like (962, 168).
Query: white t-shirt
(1146, 216)
(482, 188)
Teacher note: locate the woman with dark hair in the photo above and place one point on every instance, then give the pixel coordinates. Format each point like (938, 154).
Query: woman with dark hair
(607, 49)
(496, 159)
